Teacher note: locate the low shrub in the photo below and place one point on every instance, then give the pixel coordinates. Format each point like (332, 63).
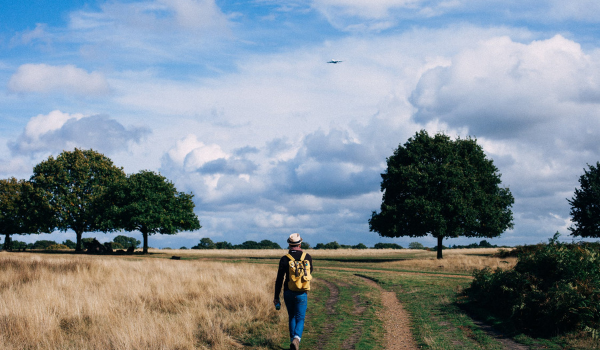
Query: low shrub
(57, 247)
(553, 289)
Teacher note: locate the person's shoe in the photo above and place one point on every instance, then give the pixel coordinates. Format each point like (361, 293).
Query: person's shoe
(295, 344)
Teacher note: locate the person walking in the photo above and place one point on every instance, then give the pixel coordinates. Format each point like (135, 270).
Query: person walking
(295, 273)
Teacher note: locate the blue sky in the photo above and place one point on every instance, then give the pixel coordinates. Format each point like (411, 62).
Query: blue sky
(234, 101)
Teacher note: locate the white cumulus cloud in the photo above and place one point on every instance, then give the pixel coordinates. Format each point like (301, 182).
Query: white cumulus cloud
(69, 79)
(59, 131)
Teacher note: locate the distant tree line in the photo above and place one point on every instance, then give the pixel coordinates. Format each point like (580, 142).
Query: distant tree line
(119, 242)
(81, 190)
(207, 243)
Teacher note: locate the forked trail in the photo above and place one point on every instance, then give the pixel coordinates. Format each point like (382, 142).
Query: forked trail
(395, 319)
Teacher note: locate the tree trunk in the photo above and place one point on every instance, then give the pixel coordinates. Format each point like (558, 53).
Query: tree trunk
(439, 247)
(7, 243)
(145, 234)
(78, 247)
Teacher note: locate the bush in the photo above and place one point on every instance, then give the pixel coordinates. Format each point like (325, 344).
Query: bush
(387, 246)
(57, 247)
(43, 244)
(69, 243)
(553, 289)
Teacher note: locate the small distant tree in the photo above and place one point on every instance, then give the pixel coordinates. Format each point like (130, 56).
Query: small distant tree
(127, 242)
(205, 243)
(330, 245)
(585, 204)
(444, 188)
(360, 246)
(266, 244)
(415, 245)
(304, 245)
(149, 203)
(223, 245)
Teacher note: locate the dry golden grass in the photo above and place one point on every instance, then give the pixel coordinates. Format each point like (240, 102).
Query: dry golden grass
(455, 260)
(85, 302)
(457, 263)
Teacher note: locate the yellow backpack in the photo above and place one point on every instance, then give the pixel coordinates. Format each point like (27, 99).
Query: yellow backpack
(299, 274)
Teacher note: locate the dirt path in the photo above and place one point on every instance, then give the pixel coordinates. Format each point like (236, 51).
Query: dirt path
(395, 320)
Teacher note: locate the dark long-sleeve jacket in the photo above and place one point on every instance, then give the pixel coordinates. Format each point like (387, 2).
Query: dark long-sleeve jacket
(282, 272)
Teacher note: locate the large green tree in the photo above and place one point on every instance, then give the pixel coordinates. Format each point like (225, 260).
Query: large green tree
(76, 183)
(149, 203)
(22, 210)
(585, 204)
(442, 187)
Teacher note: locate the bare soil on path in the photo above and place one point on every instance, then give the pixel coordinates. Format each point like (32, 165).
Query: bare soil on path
(396, 321)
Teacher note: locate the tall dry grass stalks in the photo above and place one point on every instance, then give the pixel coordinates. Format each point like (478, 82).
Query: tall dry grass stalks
(58, 302)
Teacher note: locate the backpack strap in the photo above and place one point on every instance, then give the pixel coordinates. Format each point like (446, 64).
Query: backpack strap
(291, 257)
(303, 256)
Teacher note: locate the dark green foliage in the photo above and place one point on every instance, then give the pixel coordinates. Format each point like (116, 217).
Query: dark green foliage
(330, 245)
(387, 246)
(585, 204)
(444, 188)
(22, 209)
(74, 185)
(223, 245)
(149, 203)
(18, 245)
(126, 242)
(70, 244)
(362, 246)
(304, 245)
(482, 244)
(86, 242)
(551, 290)
(205, 243)
(264, 244)
(42, 244)
(415, 245)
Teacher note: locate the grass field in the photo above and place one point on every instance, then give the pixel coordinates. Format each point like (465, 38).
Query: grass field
(218, 299)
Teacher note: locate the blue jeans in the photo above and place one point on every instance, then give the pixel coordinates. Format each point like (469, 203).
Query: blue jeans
(296, 303)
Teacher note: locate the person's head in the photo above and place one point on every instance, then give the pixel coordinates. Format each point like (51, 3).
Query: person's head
(294, 240)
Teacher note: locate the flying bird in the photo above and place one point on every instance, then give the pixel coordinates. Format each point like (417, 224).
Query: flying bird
(335, 61)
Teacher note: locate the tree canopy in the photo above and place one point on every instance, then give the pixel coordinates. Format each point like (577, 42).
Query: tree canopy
(585, 204)
(75, 183)
(149, 203)
(21, 209)
(442, 187)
